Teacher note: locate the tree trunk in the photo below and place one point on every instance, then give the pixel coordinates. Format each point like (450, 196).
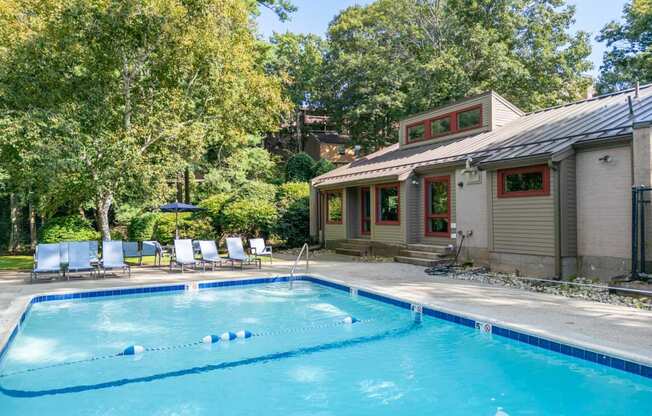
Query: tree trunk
(102, 206)
(298, 121)
(179, 189)
(14, 228)
(186, 186)
(32, 225)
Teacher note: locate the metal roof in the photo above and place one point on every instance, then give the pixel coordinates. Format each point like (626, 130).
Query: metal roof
(538, 134)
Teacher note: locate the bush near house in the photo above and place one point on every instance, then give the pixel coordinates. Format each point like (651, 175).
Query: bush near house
(68, 228)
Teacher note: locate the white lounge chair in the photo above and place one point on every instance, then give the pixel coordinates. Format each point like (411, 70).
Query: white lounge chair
(113, 257)
(47, 259)
(79, 258)
(183, 254)
(259, 249)
(209, 254)
(237, 254)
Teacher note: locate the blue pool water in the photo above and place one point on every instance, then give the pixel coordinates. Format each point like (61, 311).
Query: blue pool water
(302, 361)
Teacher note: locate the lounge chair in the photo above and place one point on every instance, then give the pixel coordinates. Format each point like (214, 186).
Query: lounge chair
(95, 249)
(131, 250)
(209, 254)
(79, 258)
(237, 254)
(183, 255)
(47, 259)
(152, 248)
(113, 258)
(259, 249)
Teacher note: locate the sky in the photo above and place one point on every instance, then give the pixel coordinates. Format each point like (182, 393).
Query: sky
(313, 16)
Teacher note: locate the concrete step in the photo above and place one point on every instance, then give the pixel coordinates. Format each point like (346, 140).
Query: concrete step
(353, 246)
(422, 254)
(430, 248)
(416, 261)
(350, 252)
(357, 242)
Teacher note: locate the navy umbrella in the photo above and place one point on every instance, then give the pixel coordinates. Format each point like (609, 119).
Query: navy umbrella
(178, 207)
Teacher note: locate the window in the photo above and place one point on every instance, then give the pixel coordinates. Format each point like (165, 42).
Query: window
(454, 122)
(527, 181)
(388, 204)
(416, 133)
(440, 126)
(469, 119)
(341, 149)
(334, 207)
(437, 199)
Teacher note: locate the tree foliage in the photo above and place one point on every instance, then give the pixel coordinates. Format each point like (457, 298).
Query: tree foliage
(124, 94)
(299, 168)
(629, 58)
(297, 60)
(396, 57)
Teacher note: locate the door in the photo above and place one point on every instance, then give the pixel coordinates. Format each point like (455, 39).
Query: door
(437, 206)
(365, 211)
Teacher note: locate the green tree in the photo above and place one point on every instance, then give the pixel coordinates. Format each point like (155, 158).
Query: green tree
(135, 90)
(396, 57)
(299, 168)
(297, 60)
(629, 58)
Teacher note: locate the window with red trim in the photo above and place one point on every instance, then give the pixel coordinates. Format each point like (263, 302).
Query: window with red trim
(437, 206)
(450, 123)
(523, 182)
(334, 207)
(388, 204)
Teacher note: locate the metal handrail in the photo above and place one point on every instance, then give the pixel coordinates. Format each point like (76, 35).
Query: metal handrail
(307, 249)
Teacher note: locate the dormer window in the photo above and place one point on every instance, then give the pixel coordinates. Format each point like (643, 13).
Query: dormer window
(443, 125)
(469, 119)
(416, 132)
(440, 126)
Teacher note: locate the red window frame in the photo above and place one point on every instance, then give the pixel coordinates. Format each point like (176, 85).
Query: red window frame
(454, 125)
(503, 173)
(365, 190)
(396, 185)
(328, 195)
(427, 205)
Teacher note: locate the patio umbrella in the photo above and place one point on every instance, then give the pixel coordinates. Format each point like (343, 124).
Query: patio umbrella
(178, 207)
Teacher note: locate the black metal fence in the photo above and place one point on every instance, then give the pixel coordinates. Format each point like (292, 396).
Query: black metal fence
(640, 201)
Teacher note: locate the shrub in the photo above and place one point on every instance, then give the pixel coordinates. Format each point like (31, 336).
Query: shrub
(322, 166)
(141, 227)
(70, 228)
(290, 192)
(299, 168)
(294, 225)
(124, 213)
(257, 189)
(250, 217)
(197, 228)
(165, 226)
(213, 206)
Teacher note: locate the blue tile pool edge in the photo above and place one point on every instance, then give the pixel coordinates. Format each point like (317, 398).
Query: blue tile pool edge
(500, 330)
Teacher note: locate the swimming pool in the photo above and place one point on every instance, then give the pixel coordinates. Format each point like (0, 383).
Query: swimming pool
(303, 358)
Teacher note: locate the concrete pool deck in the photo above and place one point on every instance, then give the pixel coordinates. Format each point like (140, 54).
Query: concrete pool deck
(616, 330)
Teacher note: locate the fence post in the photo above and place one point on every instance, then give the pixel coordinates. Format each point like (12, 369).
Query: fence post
(634, 232)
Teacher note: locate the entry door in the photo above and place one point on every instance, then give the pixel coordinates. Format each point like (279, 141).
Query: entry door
(437, 206)
(365, 211)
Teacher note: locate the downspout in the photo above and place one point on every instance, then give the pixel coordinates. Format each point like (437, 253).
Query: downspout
(557, 171)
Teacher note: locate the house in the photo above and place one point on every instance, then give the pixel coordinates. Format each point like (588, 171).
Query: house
(331, 146)
(546, 193)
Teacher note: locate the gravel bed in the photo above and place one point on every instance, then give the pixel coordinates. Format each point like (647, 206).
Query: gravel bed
(598, 294)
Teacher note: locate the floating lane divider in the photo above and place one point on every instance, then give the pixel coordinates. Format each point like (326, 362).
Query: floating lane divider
(136, 349)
